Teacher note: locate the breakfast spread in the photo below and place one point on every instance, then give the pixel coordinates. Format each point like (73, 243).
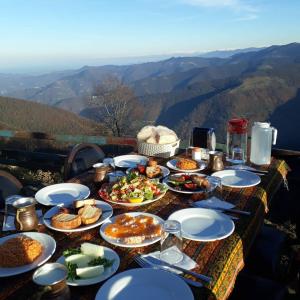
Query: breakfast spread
(132, 188)
(186, 164)
(133, 230)
(86, 262)
(19, 251)
(69, 218)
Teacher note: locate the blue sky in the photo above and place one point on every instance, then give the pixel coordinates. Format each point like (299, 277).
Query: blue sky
(57, 34)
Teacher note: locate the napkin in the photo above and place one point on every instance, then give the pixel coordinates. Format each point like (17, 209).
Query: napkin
(10, 221)
(186, 262)
(213, 202)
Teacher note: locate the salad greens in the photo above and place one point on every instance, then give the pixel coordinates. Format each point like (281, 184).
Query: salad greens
(135, 186)
(71, 251)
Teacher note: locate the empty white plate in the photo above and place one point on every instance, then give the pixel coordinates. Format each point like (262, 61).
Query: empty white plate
(237, 178)
(201, 224)
(146, 284)
(60, 193)
(129, 161)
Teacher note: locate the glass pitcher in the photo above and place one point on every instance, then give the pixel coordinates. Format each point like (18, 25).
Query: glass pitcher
(237, 141)
(262, 138)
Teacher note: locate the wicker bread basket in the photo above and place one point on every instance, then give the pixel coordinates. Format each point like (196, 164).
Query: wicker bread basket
(158, 150)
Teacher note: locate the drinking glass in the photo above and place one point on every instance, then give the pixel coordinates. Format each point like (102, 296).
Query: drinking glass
(189, 147)
(238, 156)
(218, 190)
(171, 242)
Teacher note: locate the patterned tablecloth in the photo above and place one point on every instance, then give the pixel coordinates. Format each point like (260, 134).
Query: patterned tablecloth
(222, 260)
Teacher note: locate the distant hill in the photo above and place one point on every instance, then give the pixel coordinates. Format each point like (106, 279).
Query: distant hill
(18, 114)
(183, 92)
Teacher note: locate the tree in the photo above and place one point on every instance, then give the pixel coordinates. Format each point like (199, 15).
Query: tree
(117, 106)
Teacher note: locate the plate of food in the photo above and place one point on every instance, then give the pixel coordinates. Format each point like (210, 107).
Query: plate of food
(89, 264)
(190, 183)
(150, 170)
(22, 252)
(186, 165)
(62, 193)
(129, 161)
(133, 190)
(132, 230)
(81, 215)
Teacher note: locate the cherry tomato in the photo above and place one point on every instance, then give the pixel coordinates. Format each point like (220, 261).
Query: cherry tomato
(186, 177)
(190, 186)
(141, 168)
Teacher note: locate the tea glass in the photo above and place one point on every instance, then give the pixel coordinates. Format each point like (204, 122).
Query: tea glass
(218, 188)
(238, 156)
(171, 242)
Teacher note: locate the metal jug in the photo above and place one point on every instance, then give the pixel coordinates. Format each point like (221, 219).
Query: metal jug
(26, 218)
(215, 161)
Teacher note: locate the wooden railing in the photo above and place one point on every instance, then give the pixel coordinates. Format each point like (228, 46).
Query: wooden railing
(49, 151)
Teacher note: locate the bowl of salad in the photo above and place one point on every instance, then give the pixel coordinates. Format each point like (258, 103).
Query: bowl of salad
(133, 190)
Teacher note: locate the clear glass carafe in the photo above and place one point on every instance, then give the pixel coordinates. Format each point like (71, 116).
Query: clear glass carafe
(237, 141)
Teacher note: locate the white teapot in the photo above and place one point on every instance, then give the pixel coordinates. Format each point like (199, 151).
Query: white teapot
(262, 138)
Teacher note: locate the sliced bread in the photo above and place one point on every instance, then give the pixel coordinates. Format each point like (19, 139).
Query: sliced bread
(65, 221)
(89, 214)
(81, 203)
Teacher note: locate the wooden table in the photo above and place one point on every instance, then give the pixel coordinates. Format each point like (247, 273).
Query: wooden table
(222, 260)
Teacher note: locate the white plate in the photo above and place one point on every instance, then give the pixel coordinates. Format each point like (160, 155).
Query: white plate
(129, 204)
(101, 204)
(172, 165)
(129, 161)
(117, 242)
(170, 187)
(109, 254)
(165, 172)
(237, 178)
(201, 224)
(146, 284)
(46, 240)
(60, 193)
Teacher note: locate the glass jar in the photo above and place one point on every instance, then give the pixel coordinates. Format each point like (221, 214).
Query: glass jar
(237, 134)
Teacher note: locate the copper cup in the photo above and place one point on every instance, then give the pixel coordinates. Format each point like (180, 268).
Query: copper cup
(51, 278)
(215, 161)
(26, 218)
(100, 171)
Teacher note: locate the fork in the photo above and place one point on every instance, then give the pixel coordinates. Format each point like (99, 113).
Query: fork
(144, 264)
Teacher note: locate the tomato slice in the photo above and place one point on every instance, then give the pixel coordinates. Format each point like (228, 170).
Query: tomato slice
(190, 186)
(186, 177)
(141, 168)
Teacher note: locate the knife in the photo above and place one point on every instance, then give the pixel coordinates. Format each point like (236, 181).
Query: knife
(159, 262)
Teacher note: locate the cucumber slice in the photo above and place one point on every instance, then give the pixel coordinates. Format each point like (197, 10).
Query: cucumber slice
(92, 250)
(81, 260)
(89, 272)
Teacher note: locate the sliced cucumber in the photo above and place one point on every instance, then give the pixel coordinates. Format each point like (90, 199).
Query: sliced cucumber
(89, 272)
(92, 250)
(81, 260)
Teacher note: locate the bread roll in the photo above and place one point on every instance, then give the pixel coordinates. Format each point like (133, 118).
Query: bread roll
(89, 214)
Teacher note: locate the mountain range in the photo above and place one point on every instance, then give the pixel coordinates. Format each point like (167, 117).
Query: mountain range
(184, 92)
